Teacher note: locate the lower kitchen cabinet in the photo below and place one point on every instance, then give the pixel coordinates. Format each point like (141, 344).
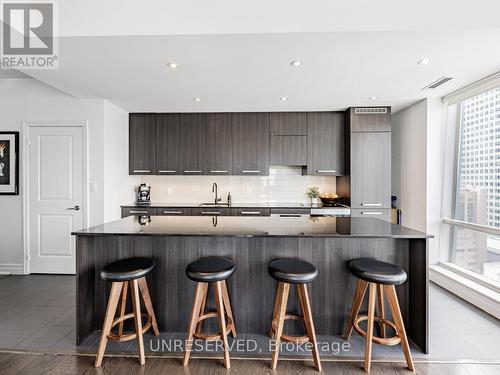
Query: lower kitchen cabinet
(174, 211)
(212, 211)
(382, 214)
(290, 212)
(138, 211)
(250, 211)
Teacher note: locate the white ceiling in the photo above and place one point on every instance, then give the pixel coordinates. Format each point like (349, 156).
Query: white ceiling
(163, 17)
(250, 72)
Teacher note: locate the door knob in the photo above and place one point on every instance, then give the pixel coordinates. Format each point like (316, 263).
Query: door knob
(76, 208)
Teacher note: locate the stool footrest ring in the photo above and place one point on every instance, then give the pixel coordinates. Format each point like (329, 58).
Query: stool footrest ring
(128, 336)
(215, 336)
(287, 338)
(394, 340)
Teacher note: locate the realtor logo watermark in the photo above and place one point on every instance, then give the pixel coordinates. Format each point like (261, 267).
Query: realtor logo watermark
(28, 35)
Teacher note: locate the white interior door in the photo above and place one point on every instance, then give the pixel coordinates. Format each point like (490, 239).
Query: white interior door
(55, 173)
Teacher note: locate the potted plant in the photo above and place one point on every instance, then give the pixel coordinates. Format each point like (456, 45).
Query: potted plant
(313, 193)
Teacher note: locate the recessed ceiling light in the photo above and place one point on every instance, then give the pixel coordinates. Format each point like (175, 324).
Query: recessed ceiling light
(296, 63)
(372, 98)
(197, 99)
(283, 98)
(173, 65)
(424, 61)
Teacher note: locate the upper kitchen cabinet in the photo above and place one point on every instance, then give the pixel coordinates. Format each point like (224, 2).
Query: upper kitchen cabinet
(168, 139)
(142, 154)
(288, 123)
(219, 151)
(371, 170)
(325, 143)
(193, 143)
(250, 143)
(370, 119)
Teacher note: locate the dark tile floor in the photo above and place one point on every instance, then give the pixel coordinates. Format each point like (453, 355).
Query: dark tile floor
(37, 312)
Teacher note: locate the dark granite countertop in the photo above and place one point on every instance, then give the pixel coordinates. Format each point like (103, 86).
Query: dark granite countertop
(263, 226)
(233, 205)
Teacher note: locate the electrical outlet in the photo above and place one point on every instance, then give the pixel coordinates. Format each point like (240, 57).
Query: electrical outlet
(249, 190)
(170, 191)
(93, 187)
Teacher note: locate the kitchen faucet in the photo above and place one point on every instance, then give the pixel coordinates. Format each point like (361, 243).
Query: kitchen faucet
(214, 190)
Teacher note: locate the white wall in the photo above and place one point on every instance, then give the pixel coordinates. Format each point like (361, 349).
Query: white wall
(418, 144)
(30, 100)
(409, 159)
(118, 185)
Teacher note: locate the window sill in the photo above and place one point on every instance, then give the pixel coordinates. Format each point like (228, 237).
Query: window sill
(471, 291)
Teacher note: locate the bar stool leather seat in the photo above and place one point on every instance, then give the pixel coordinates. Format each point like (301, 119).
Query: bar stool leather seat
(375, 271)
(210, 269)
(127, 269)
(292, 271)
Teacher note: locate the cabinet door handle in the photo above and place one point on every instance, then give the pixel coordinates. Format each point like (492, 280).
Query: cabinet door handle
(138, 212)
(173, 212)
(371, 204)
(166, 171)
(216, 171)
(371, 213)
(210, 212)
(192, 171)
(326, 171)
(142, 170)
(250, 212)
(250, 171)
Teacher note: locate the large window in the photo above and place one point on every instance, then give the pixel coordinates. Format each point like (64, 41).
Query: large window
(477, 198)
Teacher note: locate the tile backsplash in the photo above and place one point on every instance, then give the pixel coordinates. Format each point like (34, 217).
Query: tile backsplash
(284, 184)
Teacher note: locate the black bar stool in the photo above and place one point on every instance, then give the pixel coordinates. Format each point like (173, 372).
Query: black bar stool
(292, 271)
(212, 271)
(380, 277)
(122, 273)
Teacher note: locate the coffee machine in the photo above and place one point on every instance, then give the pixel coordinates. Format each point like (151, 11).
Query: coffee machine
(144, 195)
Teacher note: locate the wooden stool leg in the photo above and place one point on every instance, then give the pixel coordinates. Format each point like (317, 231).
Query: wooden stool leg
(280, 321)
(392, 298)
(227, 307)
(199, 327)
(143, 286)
(305, 305)
(356, 305)
(136, 304)
(369, 329)
(114, 296)
(219, 302)
(122, 307)
(195, 313)
(381, 309)
(277, 301)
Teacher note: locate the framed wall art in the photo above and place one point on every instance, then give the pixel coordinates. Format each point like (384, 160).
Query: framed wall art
(9, 163)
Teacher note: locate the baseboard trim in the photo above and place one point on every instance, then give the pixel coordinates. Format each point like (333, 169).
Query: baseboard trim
(480, 296)
(11, 269)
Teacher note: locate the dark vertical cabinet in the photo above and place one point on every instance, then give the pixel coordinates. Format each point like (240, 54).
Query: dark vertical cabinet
(288, 123)
(371, 170)
(370, 119)
(219, 159)
(325, 143)
(193, 143)
(250, 143)
(168, 137)
(142, 150)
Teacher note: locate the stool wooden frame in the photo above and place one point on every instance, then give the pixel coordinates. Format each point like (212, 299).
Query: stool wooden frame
(280, 315)
(119, 289)
(376, 292)
(198, 315)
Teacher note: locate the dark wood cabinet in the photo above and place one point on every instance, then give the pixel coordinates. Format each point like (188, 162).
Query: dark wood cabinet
(142, 155)
(168, 139)
(250, 211)
(174, 211)
(138, 211)
(193, 143)
(370, 119)
(250, 143)
(325, 143)
(219, 159)
(371, 170)
(212, 211)
(288, 123)
(382, 214)
(288, 150)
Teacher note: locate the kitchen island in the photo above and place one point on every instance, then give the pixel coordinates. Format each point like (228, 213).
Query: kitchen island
(327, 242)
